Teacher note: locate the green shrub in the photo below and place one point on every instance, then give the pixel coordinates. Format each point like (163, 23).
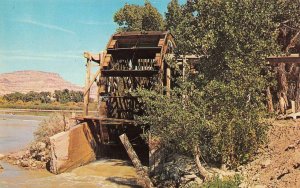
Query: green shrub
(218, 183)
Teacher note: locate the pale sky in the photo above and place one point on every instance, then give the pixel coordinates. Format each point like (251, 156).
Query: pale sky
(51, 35)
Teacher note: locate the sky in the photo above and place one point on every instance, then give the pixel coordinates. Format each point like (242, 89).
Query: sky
(51, 35)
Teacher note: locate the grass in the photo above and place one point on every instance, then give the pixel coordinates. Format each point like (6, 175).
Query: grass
(45, 106)
(216, 182)
(42, 106)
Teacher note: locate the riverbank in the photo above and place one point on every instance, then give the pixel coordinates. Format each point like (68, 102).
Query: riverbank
(17, 133)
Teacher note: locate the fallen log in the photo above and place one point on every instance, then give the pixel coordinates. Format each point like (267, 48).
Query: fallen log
(142, 172)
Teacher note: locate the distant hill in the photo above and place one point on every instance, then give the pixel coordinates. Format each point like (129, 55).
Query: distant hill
(25, 81)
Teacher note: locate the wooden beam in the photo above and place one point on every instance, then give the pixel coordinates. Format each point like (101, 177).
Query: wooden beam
(293, 58)
(90, 83)
(87, 94)
(128, 73)
(142, 172)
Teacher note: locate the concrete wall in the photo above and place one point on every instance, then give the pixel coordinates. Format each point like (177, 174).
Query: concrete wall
(73, 148)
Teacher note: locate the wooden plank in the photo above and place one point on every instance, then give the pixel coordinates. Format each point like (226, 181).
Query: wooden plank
(128, 73)
(141, 171)
(293, 58)
(73, 148)
(112, 44)
(105, 119)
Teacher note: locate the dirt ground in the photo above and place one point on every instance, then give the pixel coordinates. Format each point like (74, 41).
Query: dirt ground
(278, 164)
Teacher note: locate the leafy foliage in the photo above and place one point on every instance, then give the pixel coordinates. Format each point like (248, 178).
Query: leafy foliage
(220, 102)
(139, 18)
(63, 96)
(173, 16)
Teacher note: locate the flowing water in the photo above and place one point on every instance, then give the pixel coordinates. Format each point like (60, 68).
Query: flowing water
(17, 131)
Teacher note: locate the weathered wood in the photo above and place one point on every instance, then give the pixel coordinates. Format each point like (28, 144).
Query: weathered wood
(297, 100)
(283, 87)
(73, 148)
(269, 100)
(141, 171)
(293, 58)
(129, 73)
(203, 172)
(87, 94)
(89, 85)
(168, 80)
(293, 106)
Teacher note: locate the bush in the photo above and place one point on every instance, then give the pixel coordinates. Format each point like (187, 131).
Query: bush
(49, 127)
(218, 183)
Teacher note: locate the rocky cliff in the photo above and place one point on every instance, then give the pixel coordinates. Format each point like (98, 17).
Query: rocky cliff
(25, 81)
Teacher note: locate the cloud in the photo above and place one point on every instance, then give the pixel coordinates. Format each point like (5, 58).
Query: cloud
(40, 57)
(95, 23)
(48, 26)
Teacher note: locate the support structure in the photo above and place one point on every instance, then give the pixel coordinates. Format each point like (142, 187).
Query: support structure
(131, 60)
(287, 69)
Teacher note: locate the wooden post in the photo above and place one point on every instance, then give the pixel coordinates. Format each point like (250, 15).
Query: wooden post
(293, 106)
(141, 171)
(282, 81)
(297, 100)
(168, 80)
(269, 100)
(87, 94)
(184, 62)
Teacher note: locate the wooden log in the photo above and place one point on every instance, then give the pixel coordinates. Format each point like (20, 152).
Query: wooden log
(142, 172)
(203, 172)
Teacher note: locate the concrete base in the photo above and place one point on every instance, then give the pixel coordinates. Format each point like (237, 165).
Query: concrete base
(72, 148)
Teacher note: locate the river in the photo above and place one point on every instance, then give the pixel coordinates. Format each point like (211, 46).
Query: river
(16, 131)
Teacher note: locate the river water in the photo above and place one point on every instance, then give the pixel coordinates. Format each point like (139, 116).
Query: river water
(16, 132)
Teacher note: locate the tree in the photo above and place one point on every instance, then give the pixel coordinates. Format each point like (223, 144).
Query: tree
(173, 16)
(45, 97)
(139, 18)
(221, 107)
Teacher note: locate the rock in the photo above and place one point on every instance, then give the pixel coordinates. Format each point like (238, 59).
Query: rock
(1, 156)
(1, 168)
(243, 185)
(41, 145)
(24, 163)
(256, 177)
(265, 163)
(259, 186)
